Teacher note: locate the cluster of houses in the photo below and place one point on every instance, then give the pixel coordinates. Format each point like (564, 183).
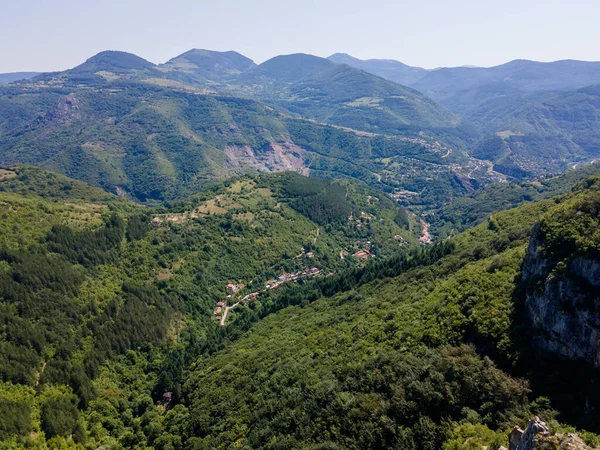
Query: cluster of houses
(274, 284)
(403, 195)
(364, 217)
(233, 287)
(304, 253)
(251, 296)
(401, 240)
(364, 250)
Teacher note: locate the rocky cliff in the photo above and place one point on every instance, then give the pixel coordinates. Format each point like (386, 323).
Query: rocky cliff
(561, 273)
(563, 301)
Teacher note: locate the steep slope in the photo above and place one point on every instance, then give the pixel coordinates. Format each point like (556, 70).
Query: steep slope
(197, 66)
(545, 113)
(341, 95)
(391, 352)
(385, 68)
(562, 271)
(561, 276)
(90, 283)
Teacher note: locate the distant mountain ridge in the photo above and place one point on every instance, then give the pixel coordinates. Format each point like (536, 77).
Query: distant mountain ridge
(6, 78)
(389, 69)
(302, 84)
(519, 75)
(342, 95)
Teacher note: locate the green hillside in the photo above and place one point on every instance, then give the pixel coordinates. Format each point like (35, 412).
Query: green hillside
(533, 117)
(398, 363)
(341, 95)
(151, 143)
(476, 207)
(88, 279)
(544, 131)
(408, 347)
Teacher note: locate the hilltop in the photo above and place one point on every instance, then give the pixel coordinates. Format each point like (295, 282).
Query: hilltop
(101, 68)
(198, 65)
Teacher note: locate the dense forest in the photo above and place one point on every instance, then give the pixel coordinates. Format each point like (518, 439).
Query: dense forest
(109, 338)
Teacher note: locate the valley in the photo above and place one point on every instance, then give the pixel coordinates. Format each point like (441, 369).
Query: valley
(309, 252)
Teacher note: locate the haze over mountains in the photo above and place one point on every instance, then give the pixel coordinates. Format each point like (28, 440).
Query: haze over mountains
(16, 76)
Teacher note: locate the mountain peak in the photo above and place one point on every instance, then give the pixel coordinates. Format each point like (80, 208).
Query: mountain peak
(114, 61)
(210, 64)
(294, 66)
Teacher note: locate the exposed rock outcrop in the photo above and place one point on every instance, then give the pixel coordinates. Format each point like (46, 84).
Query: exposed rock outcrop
(272, 158)
(537, 435)
(563, 303)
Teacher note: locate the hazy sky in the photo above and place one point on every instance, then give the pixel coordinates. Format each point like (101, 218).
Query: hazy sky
(48, 35)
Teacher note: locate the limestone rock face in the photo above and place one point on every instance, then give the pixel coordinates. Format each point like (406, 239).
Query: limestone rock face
(537, 436)
(563, 303)
(514, 438)
(536, 429)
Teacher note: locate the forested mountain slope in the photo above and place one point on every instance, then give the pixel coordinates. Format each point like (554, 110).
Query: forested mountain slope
(399, 362)
(544, 130)
(416, 348)
(341, 95)
(528, 118)
(476, 207)
(542, 116)
(90, 283)
(153, 143)
(314, 87)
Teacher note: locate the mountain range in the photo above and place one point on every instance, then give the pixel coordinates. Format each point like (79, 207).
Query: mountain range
(517, 115)
(544, 112)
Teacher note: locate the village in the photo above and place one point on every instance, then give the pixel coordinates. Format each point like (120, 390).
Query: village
(362, 251)
(222, 309)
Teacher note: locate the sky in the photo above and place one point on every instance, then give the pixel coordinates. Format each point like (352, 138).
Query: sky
(52, 35)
